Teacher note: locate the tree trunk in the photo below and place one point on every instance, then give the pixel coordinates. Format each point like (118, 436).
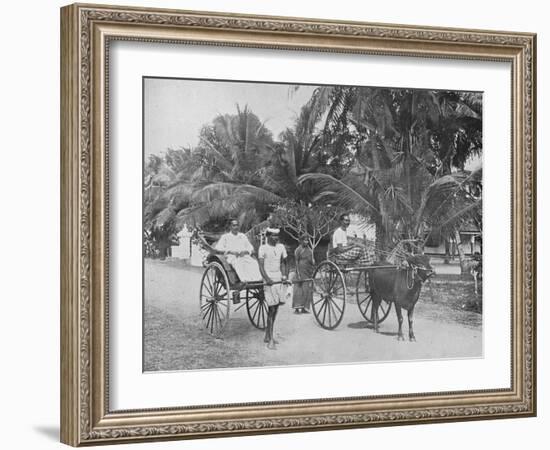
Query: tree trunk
(461, 256)
(313, 246)
(381, 240)
(447, 258)
(407, 163)
(383, 221)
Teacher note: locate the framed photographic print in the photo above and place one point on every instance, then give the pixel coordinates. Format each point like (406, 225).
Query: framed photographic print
(274, 224)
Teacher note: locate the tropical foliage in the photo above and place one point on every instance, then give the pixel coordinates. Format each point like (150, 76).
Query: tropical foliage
(395, 156)
(411, 146)
(219, 178)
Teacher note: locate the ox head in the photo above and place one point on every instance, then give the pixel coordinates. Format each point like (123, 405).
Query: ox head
(421, 266)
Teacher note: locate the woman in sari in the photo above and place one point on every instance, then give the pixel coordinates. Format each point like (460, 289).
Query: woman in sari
(303, 288)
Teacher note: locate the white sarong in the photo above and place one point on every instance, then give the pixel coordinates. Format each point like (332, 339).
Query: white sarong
(247, 268)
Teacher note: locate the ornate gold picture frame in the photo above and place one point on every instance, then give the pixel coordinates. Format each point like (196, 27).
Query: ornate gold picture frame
(87, 32)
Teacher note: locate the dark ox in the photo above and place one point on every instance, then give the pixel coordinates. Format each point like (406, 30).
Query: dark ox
(400, 286)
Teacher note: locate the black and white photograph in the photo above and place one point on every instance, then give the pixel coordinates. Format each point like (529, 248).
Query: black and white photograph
(292, 224)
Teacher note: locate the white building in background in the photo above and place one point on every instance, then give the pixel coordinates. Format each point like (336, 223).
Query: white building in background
(470, 243)
(183, 250)
(187, 250)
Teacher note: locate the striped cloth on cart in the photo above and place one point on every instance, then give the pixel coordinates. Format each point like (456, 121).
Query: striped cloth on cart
(356, 256)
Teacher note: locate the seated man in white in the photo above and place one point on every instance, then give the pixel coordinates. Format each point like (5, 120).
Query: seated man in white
(347, 249)
(238, 250)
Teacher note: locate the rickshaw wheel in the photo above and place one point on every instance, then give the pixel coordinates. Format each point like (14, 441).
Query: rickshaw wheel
(214, 299)
(256, 308)
(329, 295)
(364, 300)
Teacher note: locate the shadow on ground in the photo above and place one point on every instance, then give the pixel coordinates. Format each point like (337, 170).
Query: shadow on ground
(50, 432)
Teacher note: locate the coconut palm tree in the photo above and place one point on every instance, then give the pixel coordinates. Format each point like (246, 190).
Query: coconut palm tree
(301, 149)
(221, 177)
(157, 175)
(443, 205)
(406, 140)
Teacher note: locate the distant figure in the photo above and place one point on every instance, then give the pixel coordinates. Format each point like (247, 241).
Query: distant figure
(272, 257)
(476, 270)
(303, 288)
(165, 241)
(238, 250)
(348, 249)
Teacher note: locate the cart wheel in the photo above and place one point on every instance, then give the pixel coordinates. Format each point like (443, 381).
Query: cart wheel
(329, 295)
(364, 300)
(214, 299)
(256, 308)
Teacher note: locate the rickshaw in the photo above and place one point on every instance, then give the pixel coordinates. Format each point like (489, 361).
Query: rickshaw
(221, 287)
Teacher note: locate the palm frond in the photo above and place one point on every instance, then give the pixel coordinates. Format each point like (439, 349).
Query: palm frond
(461, 215)
(219, 157)
(179, 195)
(349, 197)
(474, 100)
(194, 216)
(463, 110)
(440, 192)
(404, 201)
(442, 198)
(337, 109)
(216, 191)
(318, 105)
(164, 217)
(221, 208)
(164, 178)
(274, 185)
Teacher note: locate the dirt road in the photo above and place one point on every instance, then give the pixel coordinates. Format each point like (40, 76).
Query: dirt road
(174, 339)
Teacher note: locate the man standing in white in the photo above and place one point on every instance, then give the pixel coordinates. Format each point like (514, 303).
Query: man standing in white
(347, 249)
(238, 250)
(272, 257)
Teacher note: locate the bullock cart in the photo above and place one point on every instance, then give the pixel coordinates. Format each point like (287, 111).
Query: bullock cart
(335, 285)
